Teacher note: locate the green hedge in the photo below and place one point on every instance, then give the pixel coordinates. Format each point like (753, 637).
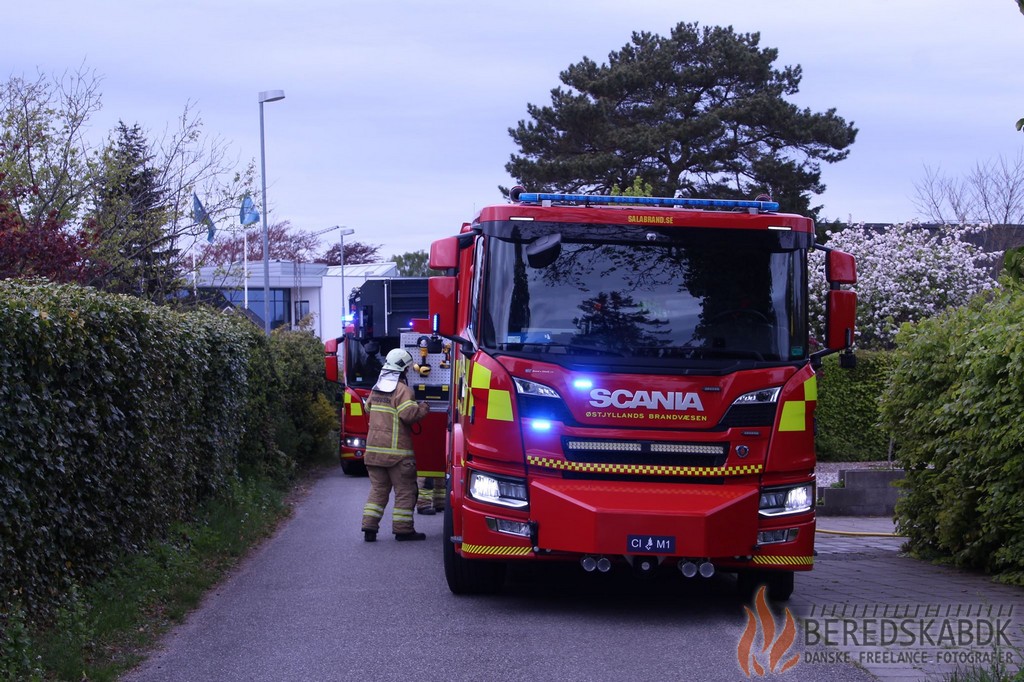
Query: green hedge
(116, 418)
(847, 414)
(954, 406)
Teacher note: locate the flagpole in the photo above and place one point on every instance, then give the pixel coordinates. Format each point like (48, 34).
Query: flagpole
(245, 264)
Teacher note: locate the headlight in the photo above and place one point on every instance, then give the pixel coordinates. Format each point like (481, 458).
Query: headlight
(789, 500)
(355, 442)
(507, 492)
(764, 396)
(527, 387)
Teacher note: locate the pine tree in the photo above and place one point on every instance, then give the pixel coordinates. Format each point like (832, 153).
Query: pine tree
(702, 112)
(134, 254)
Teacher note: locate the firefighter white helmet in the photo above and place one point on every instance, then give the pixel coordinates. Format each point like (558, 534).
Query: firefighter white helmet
(397, 360)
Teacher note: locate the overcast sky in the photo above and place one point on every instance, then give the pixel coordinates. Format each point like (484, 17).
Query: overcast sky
(396, 116)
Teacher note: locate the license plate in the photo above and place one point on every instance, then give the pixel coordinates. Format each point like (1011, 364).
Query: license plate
(650, 544)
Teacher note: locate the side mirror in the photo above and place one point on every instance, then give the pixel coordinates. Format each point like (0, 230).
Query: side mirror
(331, 360)
(840, 268)
(441, 297)
(444, 254)
(840, 318)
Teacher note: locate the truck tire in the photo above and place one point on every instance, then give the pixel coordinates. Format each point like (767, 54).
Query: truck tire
(468, 576)
(779, 583)
(350, 468)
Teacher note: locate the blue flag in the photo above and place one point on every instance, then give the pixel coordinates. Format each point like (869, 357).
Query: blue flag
(201, 217)
(248, 215)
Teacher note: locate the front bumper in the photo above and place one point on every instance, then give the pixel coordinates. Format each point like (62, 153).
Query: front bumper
(572, 518)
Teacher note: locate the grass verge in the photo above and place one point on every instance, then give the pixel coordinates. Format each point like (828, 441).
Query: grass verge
(104, 629)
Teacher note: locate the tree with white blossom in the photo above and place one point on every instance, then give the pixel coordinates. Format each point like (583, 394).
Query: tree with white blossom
(905, 273)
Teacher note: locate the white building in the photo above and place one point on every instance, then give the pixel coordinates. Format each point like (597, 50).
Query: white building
(296, 290)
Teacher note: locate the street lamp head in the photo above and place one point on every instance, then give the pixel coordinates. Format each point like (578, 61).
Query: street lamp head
(271, 95)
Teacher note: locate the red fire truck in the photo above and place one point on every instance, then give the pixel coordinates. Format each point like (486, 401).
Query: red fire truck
(633, 386)
(390, 313)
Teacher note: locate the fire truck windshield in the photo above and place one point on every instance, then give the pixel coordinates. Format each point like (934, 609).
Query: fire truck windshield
(632, 292)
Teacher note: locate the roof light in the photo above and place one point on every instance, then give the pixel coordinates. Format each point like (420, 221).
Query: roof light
(679, 202)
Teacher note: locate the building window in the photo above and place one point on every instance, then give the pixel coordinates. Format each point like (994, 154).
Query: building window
(301, 310)
(280, 300)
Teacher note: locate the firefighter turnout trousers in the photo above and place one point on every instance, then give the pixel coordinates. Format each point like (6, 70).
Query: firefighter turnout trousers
(399, 474)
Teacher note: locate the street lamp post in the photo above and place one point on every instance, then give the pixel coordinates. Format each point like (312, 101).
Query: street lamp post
(266, 96)
(342, 231)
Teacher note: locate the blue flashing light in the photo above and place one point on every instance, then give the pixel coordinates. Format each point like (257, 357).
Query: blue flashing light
(582, 384)
(541, 425)
(681, 202)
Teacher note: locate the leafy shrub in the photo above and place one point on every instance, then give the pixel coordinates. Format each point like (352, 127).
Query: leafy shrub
(306, 418)
(847, 414)
(954, 405)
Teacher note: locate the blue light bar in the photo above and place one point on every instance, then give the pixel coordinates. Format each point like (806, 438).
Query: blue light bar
(538, 197)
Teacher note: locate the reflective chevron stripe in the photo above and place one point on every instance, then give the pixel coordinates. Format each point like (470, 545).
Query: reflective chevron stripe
(494, 550)
(784, 560)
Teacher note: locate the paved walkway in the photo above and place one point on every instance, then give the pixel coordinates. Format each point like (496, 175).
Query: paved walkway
(901, 619)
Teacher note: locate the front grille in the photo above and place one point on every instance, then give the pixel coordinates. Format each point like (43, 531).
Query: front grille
(653, 453)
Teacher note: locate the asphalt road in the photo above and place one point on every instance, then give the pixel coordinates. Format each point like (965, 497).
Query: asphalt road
(317, 603)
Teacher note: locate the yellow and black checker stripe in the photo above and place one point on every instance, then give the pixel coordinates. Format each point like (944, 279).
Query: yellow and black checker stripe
(643, 469)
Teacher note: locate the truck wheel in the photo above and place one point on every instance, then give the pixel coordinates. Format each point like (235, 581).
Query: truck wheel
(779, 584)
(350, 468)
(468, 576)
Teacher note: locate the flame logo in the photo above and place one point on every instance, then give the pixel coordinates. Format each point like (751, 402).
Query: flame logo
(776, 647)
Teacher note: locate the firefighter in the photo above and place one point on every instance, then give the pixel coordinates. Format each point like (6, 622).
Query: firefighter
(389, 457)
(425, 498)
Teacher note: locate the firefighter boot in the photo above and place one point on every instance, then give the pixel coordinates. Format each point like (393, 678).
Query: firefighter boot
(411, 535)
(369, 535)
